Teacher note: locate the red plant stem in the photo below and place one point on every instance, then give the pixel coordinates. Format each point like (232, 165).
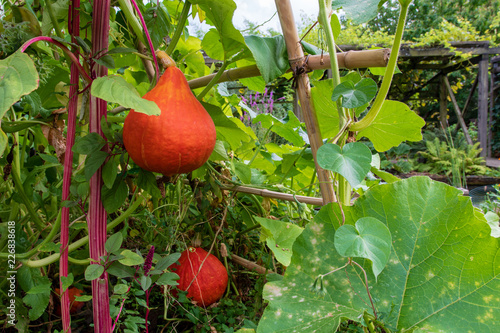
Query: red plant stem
(147, 310)
(119, 312)
(70, 54)
(74, 30)
(151, 47)
(97, 215)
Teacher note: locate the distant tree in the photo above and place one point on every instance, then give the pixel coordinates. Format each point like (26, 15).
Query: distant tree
(426, 14)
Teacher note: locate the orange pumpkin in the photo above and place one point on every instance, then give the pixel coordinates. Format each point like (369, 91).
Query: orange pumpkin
(75, 305)
(180, 139)
(206, 286)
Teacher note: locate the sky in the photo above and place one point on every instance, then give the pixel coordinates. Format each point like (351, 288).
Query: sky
(260, 11)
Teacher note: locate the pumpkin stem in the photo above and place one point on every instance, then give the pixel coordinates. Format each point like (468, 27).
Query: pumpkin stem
(165, 60)
(196, 242)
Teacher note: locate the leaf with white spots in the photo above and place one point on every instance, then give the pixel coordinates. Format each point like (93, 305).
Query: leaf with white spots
(279, 237)
(443, 273)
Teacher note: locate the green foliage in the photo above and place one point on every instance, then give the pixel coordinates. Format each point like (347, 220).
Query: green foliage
(351, 161)
(429, 283)
(396, 233)
(447, 158)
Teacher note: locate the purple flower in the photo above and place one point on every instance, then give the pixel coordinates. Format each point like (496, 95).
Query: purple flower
(149, 260)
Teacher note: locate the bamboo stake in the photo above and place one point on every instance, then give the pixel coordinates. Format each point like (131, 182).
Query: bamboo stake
(296, 58)
(275, 195)
(349, 60)
(249, 264)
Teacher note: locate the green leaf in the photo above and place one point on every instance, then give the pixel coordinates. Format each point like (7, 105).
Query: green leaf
(83, 298)
(227, 129)
(168, 279)
(93, 271)
(3, 142)
(131, 258)
(394, 124)
(29, 278)
(120, 270)
(67, 281)
(384, 175)
(50, 247)
(360, 11)
(352, 161)
(442, 274)
(114, 242)
(492, 220)
(106, 61)
(368, 238)
(115, 89)
(219, 153)
(335, 25)
(355, 95)
(220, 15)
(145, 282)
(326, 109)
(158, 24)
(279, 237)
(88, 144)
(109, 171)
(147, 181)
(288, 128)
(212, 46)
(122, 50)
(243, 171)
(60, 11)
(39, 289)
(93, 162)
(166, 262)
(114, 197)
(270, 54)
(120, 289)
(19, 78)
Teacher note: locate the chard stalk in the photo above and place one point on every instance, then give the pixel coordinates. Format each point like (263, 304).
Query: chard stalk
(74, 30)
(97, 216)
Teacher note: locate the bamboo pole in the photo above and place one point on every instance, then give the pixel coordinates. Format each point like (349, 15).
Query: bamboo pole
(275, 195)
(297, 60)
(348, 60)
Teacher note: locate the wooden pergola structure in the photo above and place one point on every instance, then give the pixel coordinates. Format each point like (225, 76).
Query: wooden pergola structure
(445, 60)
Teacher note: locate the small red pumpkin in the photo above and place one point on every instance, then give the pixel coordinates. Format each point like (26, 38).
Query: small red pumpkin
(207, 286)
(75, 305)
(180, 139)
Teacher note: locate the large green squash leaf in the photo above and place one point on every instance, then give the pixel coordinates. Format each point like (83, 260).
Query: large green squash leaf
(443, 273)
(18, 77)
(394, 124)
(288, 128)
(351, 161)
(359, 11)
(270, 55)
(279, 237)
(326, 109)
(220, 15)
